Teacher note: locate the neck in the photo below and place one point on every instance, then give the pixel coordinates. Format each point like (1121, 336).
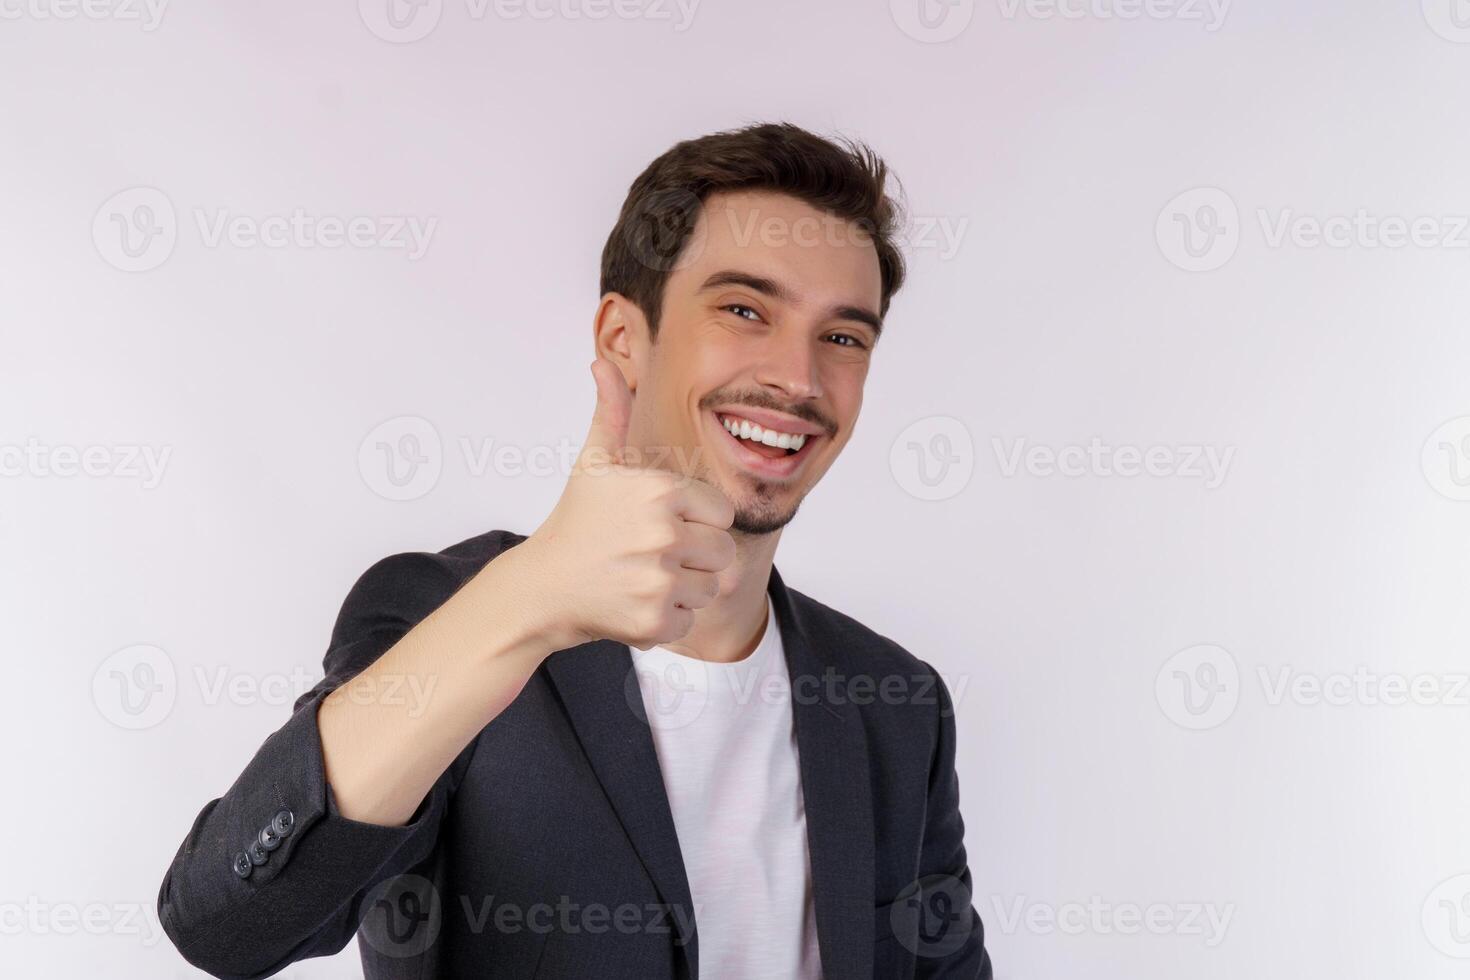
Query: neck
(730, 628)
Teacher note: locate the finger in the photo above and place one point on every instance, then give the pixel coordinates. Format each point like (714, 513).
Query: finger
(695, 590)
(705, 548)
(703, 504)
(608, 434)
(681, 621)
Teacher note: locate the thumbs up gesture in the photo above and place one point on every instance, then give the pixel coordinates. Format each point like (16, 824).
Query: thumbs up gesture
(628, 553)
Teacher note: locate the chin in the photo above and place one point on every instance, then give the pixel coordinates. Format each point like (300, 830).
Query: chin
(756, 516)
(758, 524)
(762, 505)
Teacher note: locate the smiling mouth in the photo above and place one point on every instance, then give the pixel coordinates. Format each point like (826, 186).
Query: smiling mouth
(770, 453)
(771, 443)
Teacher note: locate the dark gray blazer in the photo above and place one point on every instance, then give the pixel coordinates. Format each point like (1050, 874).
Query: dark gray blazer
(548, 850)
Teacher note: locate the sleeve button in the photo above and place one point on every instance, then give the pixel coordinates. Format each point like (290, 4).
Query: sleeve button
(242, 865)
(269, 839)
(283, 823)
(258, 854)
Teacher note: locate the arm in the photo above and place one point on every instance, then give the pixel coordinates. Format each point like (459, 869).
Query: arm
(328, 843)
(388, 733)
(352, 789)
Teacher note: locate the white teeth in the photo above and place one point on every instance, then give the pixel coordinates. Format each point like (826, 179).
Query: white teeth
(744, 429)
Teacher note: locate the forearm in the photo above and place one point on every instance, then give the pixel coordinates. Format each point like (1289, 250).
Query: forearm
(388, 733)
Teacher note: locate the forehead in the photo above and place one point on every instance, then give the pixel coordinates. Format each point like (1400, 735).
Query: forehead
(823, 259)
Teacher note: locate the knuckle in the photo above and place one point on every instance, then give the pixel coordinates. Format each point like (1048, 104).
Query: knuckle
(657, 584)
(661, 484)
(666, 537)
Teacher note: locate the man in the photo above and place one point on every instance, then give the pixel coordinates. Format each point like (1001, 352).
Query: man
(643, 754)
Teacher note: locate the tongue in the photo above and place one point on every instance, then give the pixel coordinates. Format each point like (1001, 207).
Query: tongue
(771, 452)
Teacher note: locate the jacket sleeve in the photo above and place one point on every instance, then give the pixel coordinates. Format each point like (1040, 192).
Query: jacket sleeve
(271, 872)
(951, 942)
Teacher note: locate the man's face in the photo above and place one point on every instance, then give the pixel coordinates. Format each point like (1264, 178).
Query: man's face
(767, 329)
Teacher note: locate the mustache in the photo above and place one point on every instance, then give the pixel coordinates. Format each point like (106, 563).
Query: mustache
(755, 398)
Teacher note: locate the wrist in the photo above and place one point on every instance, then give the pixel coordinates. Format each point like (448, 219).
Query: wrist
(519, 585)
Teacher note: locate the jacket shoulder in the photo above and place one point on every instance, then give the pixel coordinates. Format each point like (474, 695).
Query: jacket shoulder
(409, 585)
(856, 646)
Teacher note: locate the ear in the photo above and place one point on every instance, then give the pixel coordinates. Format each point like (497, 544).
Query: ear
(620, 334)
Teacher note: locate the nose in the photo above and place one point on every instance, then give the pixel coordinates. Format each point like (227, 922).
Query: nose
(789, 365)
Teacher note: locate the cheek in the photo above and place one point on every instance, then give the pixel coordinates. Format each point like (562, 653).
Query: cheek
(844, 387)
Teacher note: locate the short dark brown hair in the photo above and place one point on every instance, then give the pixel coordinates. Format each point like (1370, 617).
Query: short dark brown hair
(845, 179)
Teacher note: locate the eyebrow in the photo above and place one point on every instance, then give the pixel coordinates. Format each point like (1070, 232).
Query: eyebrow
(777, 291)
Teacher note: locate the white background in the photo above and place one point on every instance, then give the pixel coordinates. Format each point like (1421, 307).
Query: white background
(1334, 541)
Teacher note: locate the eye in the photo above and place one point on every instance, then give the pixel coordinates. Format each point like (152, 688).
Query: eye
(851, 340)
(736, 307)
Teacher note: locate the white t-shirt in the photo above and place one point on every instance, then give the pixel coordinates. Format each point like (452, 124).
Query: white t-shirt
(726, 743)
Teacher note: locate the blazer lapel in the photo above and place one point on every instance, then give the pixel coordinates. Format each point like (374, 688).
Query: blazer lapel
(598, 688)
(597, 685)
(835, 786)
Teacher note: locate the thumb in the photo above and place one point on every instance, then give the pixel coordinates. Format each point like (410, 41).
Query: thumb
(608, 435)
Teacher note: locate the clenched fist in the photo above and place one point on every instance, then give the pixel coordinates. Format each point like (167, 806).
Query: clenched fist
(628, 553)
